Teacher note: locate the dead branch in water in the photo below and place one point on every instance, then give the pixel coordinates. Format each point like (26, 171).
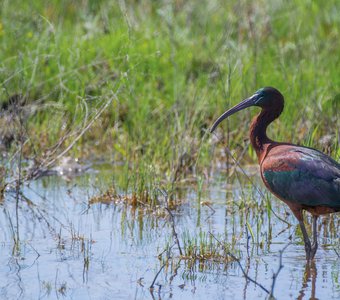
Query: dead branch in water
(174, 233)
(240, 265)
(275, 275)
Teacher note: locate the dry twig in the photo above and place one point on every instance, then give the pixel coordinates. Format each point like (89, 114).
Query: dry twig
(276, 274)
(174, 233)
(241, 267)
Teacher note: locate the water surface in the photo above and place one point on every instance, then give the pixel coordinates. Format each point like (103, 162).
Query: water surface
(71, 249)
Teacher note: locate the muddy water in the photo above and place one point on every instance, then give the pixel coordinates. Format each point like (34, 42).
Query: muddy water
(69, 249)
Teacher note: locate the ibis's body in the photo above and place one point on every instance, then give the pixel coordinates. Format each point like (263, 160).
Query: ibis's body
(304, 178)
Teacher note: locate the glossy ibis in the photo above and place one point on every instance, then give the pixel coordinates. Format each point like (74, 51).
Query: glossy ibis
(303, 178)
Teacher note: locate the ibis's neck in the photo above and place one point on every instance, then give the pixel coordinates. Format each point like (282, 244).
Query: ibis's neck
(258, 135)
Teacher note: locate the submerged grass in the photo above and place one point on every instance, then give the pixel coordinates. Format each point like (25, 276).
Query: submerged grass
(165, 70)
(204, 248)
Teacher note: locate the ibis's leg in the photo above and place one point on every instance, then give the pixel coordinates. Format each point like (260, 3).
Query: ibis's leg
(308, 246)
(315, 237)
(299, 215)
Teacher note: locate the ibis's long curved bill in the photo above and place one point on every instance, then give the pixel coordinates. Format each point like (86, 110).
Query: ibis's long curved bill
(242, 105)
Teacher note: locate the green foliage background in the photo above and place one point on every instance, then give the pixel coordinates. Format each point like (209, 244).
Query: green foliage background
(167, 69)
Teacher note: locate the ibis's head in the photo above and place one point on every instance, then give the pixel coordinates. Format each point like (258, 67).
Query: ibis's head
(267, 98)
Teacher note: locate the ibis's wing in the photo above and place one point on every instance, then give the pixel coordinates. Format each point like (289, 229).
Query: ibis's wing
(302, 175)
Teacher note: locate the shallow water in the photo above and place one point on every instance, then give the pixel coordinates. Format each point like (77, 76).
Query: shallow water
(72, 250)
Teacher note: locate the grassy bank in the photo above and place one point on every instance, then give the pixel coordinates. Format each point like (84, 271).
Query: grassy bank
(141, 81)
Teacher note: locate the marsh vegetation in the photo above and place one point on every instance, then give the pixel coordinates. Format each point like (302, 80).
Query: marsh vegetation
(111, 185)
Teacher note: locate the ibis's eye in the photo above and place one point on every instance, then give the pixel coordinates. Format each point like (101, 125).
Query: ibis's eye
(259, 100)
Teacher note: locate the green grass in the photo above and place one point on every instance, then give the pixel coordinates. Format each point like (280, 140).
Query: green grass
(166, 71)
